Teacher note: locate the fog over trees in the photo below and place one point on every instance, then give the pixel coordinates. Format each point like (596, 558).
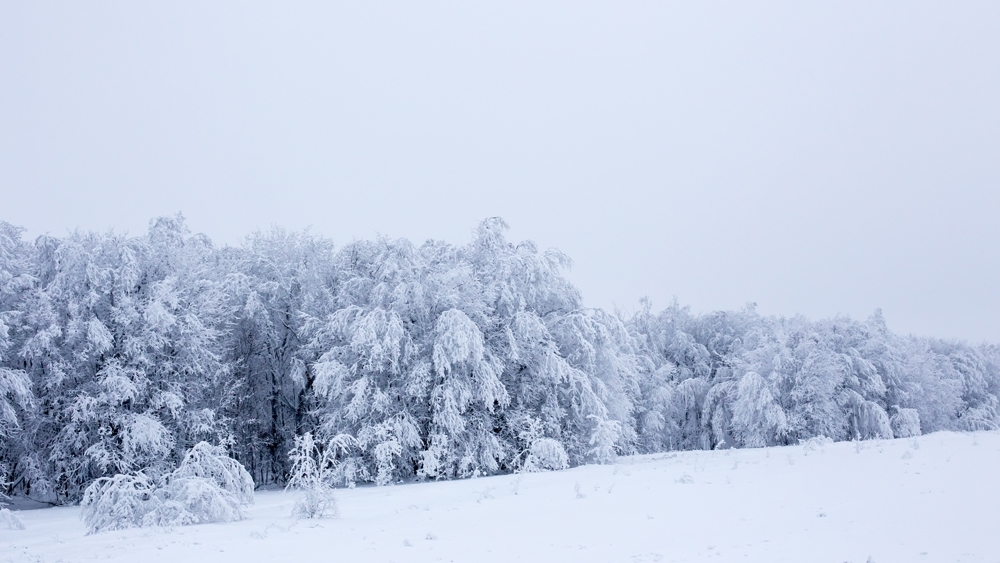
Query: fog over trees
(118, 354)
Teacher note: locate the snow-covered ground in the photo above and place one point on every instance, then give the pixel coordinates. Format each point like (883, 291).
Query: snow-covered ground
(933, 498)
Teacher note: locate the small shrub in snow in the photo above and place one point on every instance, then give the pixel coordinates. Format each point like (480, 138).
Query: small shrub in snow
(312, 476)
(208, 486)
(315, 502)
(905, 423)
(816, 443)
(546, 454)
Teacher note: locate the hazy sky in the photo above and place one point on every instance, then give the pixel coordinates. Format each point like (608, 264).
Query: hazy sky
(813, 157)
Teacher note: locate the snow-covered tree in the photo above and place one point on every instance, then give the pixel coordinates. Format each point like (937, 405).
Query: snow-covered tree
(758, 419)
(275, 282)
(16, 395)
(118, 337)
(372, 376)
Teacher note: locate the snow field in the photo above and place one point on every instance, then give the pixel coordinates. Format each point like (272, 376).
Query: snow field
(927, 499)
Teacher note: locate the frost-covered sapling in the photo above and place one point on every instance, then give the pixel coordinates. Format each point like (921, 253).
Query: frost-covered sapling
(312, 475)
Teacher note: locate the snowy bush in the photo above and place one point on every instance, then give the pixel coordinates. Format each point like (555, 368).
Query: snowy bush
(207, 487)
(192, 500)
(815, 443)
(8, 518)
(312, 475)
(905, 423)
(211, 463)
(546, 454)
(117, 503)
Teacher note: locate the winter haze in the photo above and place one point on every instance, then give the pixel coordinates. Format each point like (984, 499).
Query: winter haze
(279, 282)
(816, 159)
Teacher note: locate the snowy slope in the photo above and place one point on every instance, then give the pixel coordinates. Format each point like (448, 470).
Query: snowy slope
(933, 498)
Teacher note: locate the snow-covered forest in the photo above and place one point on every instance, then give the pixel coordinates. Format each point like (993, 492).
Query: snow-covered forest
(119, 353)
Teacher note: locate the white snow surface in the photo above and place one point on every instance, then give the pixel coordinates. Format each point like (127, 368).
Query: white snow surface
(931, 498)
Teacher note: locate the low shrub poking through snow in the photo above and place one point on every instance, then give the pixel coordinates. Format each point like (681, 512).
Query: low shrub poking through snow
(208, 486)
(546, 454)
(312, 476)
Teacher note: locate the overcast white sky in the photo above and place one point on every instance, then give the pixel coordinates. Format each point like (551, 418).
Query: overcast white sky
(813, 157)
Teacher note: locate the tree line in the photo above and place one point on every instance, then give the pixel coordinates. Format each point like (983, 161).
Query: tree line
(119, 353)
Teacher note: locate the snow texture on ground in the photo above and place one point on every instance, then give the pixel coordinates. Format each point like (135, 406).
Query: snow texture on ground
(927, 499)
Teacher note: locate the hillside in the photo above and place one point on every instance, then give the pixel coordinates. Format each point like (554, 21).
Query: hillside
(929, 499)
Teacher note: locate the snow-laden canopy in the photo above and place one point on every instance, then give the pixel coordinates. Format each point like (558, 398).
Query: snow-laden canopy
(118, 354)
